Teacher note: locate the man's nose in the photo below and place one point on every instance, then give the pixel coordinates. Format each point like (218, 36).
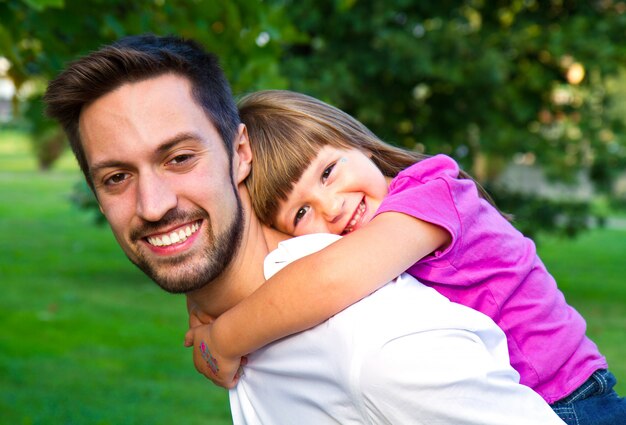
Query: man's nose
(154, 197)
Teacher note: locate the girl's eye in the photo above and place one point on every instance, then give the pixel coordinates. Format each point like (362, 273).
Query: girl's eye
(300, 214)
(326, 173)
(116, 179)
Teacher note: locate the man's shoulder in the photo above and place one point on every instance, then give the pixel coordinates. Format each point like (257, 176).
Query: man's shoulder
(295, 248)
(298, 247)
(404, 305)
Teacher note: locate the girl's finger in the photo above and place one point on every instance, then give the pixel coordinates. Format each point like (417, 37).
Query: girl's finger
(189, 338)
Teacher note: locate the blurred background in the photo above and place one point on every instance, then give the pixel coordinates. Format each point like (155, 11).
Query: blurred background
(529, 96)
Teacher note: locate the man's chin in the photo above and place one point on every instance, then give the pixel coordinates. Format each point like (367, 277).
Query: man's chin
(179, 286)
(175, 277)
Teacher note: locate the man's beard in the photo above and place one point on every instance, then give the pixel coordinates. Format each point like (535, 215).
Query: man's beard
(184, 274)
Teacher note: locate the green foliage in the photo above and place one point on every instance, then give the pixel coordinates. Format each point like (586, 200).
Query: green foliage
(533, 215)
(83, 198)
(39, 37)
(48, 140)
(43, 4)
(14, 151)
(39, 41)
(486, 82)
(477, 80)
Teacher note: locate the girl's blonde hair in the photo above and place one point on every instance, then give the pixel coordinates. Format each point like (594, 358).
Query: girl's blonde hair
(288, 129)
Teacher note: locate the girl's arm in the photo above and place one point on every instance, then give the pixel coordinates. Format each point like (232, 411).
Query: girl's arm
(316, 287)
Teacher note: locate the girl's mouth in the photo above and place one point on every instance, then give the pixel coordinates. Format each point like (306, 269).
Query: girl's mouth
(356, 218)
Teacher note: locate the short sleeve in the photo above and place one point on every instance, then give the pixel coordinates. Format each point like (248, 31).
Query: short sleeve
(426, 191)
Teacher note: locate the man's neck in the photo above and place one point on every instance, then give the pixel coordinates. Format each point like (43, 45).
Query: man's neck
(245, 272)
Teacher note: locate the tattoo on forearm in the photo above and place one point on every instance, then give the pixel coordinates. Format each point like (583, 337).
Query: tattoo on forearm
(210, 360)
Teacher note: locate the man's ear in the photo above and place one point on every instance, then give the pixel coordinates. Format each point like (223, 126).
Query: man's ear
(243, 154)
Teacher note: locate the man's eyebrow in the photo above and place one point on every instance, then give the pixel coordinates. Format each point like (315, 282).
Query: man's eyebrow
(93, 169)
(178, 138)
(161, 149)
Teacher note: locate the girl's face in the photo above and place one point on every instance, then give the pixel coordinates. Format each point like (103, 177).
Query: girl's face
(338, 193)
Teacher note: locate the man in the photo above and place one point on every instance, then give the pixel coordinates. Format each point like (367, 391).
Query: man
(156, 133)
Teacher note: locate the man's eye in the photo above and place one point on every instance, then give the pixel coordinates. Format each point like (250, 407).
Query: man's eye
(300, 214)
(179, 159)
(326, 173)
(116, 179)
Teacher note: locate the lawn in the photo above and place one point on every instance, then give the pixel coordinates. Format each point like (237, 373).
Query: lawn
(87, 339)
(591, 272)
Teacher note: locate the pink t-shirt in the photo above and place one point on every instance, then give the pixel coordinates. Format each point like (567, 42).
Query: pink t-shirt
(491, 267)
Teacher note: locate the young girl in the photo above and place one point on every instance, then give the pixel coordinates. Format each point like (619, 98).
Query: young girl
(316, 169)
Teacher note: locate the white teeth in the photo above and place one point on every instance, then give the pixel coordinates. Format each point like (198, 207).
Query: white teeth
(357, 217)
(174, 237)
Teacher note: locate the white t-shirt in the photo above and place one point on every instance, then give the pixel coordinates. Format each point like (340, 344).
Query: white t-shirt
(403, 355)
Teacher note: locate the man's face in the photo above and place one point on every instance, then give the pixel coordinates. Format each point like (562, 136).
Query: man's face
(163, 181)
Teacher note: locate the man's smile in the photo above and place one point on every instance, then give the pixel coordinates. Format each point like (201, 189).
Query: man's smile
(176, 236)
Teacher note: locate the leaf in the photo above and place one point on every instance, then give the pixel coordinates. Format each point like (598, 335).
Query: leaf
(40, 5)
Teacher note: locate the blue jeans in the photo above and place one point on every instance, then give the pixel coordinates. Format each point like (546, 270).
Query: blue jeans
(593, 403)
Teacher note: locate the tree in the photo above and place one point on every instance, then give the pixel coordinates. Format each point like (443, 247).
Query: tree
(488, 82)
(480, 80)
(39, 37)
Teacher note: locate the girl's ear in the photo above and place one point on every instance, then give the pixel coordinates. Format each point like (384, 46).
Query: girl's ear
(243, 154)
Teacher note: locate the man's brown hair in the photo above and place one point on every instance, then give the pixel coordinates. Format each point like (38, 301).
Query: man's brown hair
(133, 59)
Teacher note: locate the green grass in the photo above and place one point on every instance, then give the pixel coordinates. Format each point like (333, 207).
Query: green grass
(87, 339)
(591, 272)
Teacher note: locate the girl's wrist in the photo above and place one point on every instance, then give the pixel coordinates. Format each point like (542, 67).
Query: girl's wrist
(221, 340)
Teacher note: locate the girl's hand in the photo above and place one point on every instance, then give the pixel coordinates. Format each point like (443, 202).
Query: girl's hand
(196, 315)
(222, 371)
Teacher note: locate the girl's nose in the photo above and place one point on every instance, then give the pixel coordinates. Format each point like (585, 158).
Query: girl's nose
(333, 208)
